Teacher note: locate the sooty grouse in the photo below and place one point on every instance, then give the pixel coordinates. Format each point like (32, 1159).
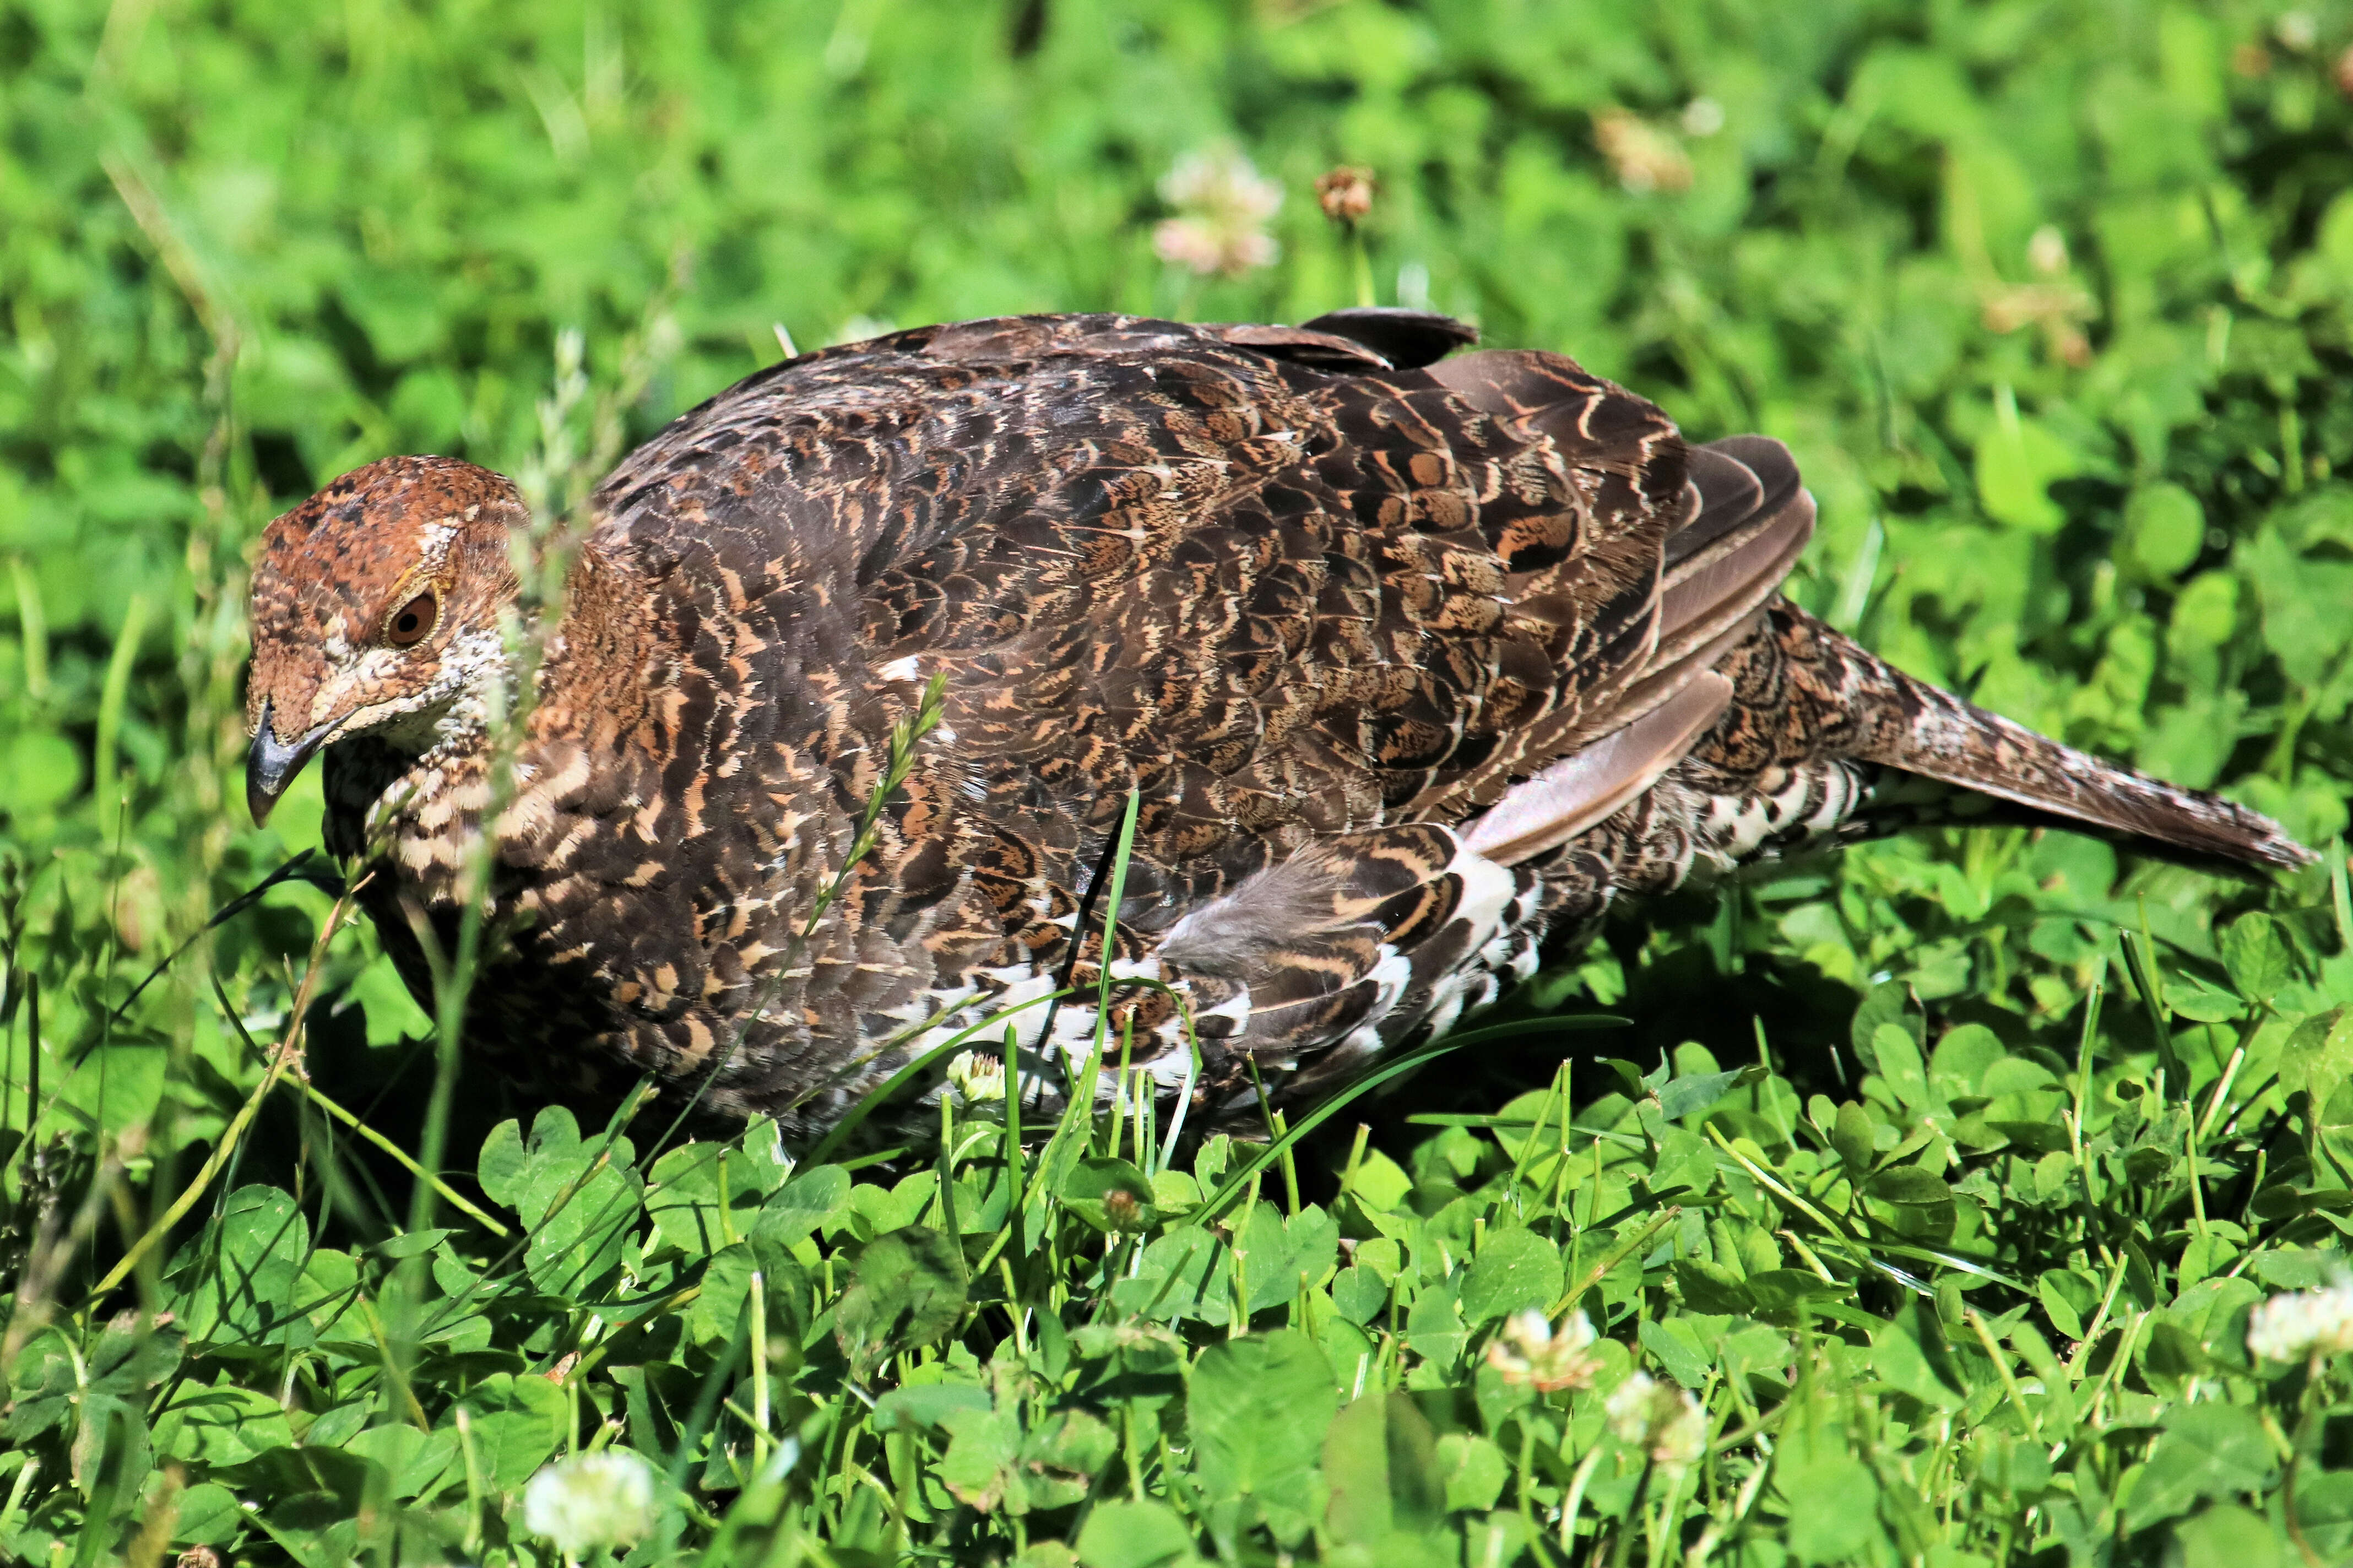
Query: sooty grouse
(1411, 662)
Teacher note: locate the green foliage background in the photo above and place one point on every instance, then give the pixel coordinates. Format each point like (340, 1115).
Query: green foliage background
(2050, 299)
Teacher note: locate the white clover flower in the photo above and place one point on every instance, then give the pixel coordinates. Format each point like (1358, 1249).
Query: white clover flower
(2046, 251)
(2303, 1323)
(1530, 1350)
(1629, 1407)
(1223, 205)
(977, 1078)
(1680, 1443)
(590, 1501)
(1659, 1418)
(1703, 117)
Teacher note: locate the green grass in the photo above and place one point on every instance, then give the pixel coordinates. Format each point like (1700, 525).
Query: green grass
(1944, 1178)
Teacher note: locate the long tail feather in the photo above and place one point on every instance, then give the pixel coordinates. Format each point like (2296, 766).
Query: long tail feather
(1939, 736)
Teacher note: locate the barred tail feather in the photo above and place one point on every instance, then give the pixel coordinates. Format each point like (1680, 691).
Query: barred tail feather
(1953, 742)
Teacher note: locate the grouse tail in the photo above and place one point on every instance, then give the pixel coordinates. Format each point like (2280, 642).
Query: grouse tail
(1937, 735)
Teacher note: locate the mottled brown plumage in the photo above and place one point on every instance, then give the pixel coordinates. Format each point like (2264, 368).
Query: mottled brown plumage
(1409, 660)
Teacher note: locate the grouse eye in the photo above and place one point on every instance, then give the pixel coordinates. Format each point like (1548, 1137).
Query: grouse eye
(413, 621)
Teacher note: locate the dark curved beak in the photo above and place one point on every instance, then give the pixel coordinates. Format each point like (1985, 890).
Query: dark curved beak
(271, 764)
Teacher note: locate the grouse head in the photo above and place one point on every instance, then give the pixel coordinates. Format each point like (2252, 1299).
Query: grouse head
(376, 612)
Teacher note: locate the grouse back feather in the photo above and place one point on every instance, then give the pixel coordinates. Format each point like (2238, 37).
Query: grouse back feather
(1408, 660)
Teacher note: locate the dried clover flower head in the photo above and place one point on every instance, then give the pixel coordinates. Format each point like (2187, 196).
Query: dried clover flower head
(1346, 195)
(1659, 1418)
(590, 1501)
(1530, 1350)
(1223, 206)
(1644, 157)
(2057, 303)
(2303, 1323)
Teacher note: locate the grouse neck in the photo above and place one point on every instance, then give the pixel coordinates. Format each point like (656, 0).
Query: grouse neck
(428, 771)
(460, 723)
